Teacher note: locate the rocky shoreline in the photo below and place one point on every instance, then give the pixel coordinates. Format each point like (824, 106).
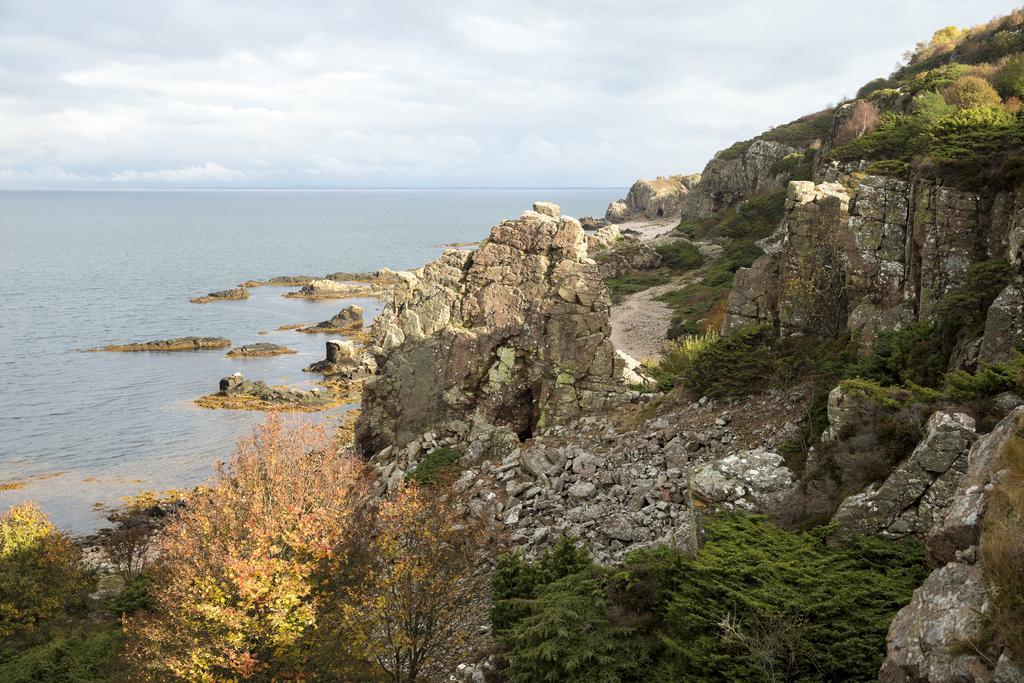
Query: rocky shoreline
(259, 350)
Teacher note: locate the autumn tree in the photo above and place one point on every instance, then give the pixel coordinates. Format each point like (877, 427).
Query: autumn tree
(41, 575)
(245, 570)
(864, 118)
(425, 597)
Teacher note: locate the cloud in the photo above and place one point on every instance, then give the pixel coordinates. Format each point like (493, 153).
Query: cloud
(402, 93)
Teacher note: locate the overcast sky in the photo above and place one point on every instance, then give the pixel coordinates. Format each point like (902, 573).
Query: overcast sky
(285, 93)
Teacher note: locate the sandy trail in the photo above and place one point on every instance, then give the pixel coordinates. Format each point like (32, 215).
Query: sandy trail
(639, 323)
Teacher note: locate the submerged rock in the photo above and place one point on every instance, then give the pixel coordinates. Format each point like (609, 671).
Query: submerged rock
(236, 294)
(177, 344)
(258, 350)
(516, 332)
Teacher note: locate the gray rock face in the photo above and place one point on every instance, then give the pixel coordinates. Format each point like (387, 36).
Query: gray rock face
(1004, 326)
(921, 487)
(946, 609)
(653, 199)
(755, 480)
(730, 178)
(866, 263)
(516, 331)
(625, 255)
(949, 609)
(959, 527)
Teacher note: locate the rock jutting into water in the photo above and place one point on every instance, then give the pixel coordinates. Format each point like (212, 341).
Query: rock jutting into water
(235, 294)
(331, 289)
(516, 331)
(259, 350)
(178, 344)
(280, 281)
(237, 393)
(348, 319)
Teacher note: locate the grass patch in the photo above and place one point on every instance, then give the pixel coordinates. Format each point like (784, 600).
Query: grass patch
(619, 287)
(680, 256)
(440, 463)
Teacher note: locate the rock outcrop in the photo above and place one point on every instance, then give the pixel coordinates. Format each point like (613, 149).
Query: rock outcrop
(331, 289)
(346, 320)
(259, 350)
(653, 199)
(235, 294)
(237, 392)
(624, 256)
(920, 489)
(950, 608)
(177, 344)
(869, 262)
(345, 360)
(735, 174)
(516, 331)
(753, 480)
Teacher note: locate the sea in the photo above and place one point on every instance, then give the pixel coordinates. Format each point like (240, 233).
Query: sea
(82, 269)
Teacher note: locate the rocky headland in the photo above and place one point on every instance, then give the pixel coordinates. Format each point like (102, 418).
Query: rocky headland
(653, 199)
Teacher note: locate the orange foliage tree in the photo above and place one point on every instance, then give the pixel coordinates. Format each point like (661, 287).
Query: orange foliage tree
(421, 605)
(245, 570)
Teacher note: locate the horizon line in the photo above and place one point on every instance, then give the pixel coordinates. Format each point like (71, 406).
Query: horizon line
(312, 189)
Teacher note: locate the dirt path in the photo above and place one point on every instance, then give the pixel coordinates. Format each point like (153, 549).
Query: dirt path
(639, 323)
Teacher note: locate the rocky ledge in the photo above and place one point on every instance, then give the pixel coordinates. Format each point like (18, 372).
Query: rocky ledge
(280, 281)
(348, 319)
(259, 350)
(332, 289)
(178, 344)
(236, 294)
(238, 393)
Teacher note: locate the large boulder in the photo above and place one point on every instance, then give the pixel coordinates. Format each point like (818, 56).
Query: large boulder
(516, 332)
(755, 480)
(1004, 326)
(920, 488)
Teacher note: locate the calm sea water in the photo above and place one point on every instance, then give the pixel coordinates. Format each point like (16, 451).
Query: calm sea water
(85, 269)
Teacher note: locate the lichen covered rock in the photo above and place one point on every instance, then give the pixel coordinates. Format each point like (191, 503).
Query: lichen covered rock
(517, 331)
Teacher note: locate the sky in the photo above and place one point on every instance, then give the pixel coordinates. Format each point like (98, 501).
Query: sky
(292, 93)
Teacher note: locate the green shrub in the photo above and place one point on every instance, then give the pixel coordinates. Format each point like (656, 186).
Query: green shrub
(515, 580)
(566, 635)
(85, 655)
(680, 255)
(803, 131)
(938, 77)
(632, 283)
(971, 91)
(807, 607)
(1009, 80)
(679, 357)
(931, 105)
(437, 464)
(41, 576)
(989, 381)
(736, 365)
